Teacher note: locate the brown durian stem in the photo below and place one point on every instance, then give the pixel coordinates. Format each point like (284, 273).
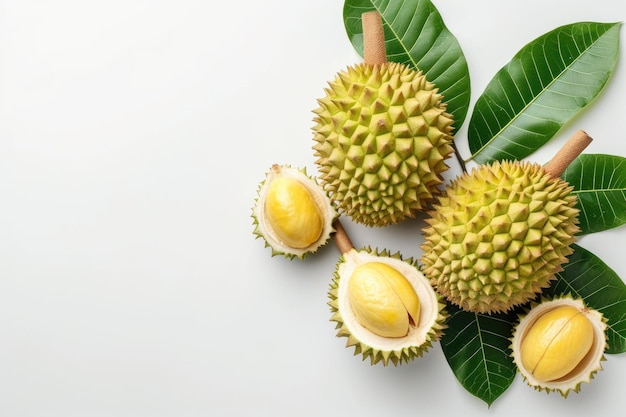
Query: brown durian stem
(572, 148)
(374, 50)
(341, 238)
(374, 54)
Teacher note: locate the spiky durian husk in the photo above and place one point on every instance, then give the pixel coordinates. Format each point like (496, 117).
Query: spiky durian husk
(590, 366)
(402, 350)
(499, 235)
(263, 229)
(382, 136)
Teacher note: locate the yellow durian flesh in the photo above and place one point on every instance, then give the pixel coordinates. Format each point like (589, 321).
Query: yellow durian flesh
(425, 328)
(556, 343)
(383, 300)
(559, 344)
(293, 212)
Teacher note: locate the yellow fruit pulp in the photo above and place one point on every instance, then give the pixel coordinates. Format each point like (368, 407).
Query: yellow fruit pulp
(556, 343)
(383, 300)
(293, 213)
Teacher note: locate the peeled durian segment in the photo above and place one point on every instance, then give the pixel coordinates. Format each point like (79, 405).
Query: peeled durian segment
(556, 343)
(396, 349)
(559, 344)
(383, 300)
(382, 135)
(498, 235)
(292, 212)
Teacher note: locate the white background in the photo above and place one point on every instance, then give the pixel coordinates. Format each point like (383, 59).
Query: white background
(133, 137)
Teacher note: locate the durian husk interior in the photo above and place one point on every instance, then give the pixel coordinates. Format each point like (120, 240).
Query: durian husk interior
(395, 350)
(586, 369)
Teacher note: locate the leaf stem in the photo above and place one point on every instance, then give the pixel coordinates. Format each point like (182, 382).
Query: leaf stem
(459, 158)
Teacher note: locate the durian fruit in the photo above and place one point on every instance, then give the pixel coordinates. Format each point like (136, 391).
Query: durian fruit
(292, 212)
(382, 135)
(384, 306)
(498, 235)
(559, 344)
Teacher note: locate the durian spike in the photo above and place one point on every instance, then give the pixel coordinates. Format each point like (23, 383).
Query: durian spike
(374, 50)
(566, 155)
(374, 54)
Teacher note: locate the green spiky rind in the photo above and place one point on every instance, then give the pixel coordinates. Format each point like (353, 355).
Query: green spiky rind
(382, 135)
(260, 233)
(498, 235)
(396, 356)
(564, 392)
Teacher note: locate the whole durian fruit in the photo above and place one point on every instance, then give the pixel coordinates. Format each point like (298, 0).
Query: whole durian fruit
(292, 212)
(384, 306)
(559, 344)
(498, 235)
(382, 135)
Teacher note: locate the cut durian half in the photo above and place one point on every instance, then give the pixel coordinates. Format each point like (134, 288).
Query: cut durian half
(559, 344)
(383, 303)
(292, 212)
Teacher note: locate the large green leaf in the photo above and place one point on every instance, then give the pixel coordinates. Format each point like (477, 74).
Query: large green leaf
(588, 277)
(599, 182)
(545, 84)
(477, 348)
(416, 35)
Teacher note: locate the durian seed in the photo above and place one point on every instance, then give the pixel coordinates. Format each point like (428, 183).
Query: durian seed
(556, 343)
(292, 212)
(383, 300)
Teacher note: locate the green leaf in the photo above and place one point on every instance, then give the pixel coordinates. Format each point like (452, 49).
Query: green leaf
(588, 277)
(599, 182)
(543, 87)
(416, 35)
(477, 348)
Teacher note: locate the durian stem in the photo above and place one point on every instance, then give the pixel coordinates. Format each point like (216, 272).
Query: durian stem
(374, 53)
(566, 155)
(341, 239)
(374, 50)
